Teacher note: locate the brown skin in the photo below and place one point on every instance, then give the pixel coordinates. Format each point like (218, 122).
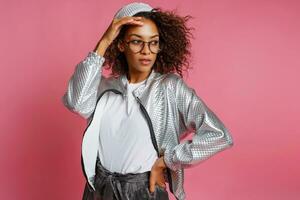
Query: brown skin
(145, 28)
(112, 32)
(145, 32)
(157, 174)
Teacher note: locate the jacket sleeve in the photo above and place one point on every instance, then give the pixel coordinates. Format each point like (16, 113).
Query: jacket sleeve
(81, 93)
(210, 134)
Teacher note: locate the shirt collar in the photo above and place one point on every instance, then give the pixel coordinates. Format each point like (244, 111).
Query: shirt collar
(124, 81)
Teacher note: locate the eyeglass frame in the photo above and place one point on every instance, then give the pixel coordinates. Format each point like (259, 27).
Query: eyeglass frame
(127, 43)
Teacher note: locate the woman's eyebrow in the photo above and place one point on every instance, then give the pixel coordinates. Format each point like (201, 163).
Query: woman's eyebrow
(141, 36)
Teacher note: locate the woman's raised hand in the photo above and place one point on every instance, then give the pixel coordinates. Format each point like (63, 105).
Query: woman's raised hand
(113, 30)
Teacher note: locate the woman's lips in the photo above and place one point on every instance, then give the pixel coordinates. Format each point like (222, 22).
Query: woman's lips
(145, 61)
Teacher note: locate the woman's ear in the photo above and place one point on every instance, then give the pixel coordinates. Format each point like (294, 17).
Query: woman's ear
(121, 46)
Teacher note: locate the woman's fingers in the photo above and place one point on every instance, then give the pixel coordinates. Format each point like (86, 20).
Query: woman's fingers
(156, 178)
(117, 24)
(162, 185)
(152, 181)
(126, 20)
(114, 28)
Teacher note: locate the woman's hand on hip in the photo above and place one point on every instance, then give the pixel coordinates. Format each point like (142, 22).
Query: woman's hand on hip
(157, 174)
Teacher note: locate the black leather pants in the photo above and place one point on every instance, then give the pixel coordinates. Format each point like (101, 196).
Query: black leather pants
(116, 186)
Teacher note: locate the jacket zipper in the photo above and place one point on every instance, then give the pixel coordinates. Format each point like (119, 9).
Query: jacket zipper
(144, 111)
(154, 139)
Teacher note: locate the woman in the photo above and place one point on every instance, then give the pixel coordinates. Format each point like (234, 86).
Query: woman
(137, 116)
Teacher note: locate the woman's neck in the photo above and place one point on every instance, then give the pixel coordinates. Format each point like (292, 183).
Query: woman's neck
(134, 77)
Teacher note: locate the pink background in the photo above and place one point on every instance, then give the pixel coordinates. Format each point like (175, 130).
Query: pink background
(246, 68)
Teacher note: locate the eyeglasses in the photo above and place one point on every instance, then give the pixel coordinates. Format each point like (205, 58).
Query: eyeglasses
(137, 45)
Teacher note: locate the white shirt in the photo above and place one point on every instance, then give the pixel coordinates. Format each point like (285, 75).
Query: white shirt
(125, 144)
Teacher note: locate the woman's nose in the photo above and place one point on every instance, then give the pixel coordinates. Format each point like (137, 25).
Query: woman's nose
(147, 51)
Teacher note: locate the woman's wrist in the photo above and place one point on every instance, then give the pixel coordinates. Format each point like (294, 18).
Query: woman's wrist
(162, 163)
(102, 46)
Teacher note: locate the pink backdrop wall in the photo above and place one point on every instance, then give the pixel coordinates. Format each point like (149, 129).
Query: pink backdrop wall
(246, 68)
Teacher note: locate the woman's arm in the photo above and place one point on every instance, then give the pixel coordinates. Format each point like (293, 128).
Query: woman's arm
(210, 137)
(81, 94)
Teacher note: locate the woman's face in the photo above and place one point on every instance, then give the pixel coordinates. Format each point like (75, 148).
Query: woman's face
(136, 33)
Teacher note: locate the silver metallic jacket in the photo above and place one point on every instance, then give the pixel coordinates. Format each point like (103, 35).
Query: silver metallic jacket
(171, 108)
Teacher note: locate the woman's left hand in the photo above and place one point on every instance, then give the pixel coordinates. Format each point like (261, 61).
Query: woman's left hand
(157, 174)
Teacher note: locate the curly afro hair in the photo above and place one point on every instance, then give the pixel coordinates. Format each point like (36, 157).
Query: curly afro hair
(174, 40)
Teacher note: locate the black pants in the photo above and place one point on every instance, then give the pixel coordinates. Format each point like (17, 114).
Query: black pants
(116, 186)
